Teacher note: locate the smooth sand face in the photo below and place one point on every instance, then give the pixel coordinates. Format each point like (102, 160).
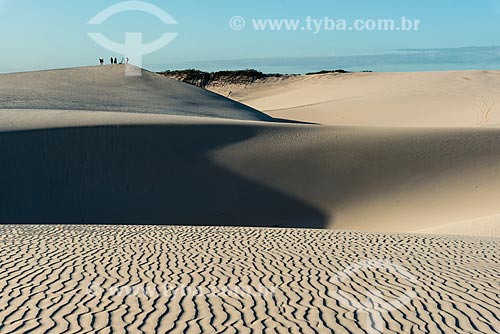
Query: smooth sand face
(106, 88)
(130, 168)
(98, 279)
(116, 168)
(438, 99)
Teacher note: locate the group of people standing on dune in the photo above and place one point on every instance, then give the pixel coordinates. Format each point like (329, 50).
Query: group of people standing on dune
(114, 61)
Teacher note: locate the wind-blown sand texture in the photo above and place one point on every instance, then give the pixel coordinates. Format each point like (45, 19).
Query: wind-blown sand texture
(438, 99)
(107, 88)
(112, 279)
(70, 158)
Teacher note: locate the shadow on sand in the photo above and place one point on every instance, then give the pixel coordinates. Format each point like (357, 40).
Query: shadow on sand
(136, 175)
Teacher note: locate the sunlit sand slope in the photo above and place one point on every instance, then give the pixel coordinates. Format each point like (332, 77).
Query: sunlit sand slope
(442, 99)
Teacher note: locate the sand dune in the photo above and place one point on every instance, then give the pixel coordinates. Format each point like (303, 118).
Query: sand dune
(98, 173)
(76, 167)
(103, 279)
(133, 168)
(479, 227)
(106, 88)
(442, 99)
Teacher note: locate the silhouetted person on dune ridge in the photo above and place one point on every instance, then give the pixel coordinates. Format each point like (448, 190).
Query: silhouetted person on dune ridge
(116, 61)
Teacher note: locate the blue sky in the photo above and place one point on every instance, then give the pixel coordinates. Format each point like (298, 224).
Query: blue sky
(40, 34)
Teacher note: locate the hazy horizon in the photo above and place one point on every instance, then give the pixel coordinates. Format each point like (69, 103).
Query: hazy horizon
(414, 60)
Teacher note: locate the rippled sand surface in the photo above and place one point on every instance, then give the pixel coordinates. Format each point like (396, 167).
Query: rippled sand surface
(152, 279)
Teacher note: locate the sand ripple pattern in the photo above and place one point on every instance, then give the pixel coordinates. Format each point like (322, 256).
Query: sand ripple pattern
(113, 279)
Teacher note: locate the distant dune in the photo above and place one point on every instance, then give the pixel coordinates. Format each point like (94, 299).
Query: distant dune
(106, 88)
(437, 99)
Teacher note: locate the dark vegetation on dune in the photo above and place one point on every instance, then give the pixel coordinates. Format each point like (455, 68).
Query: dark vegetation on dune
(241, 77)
(328, 72)
(205, 79)
(341, 71)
